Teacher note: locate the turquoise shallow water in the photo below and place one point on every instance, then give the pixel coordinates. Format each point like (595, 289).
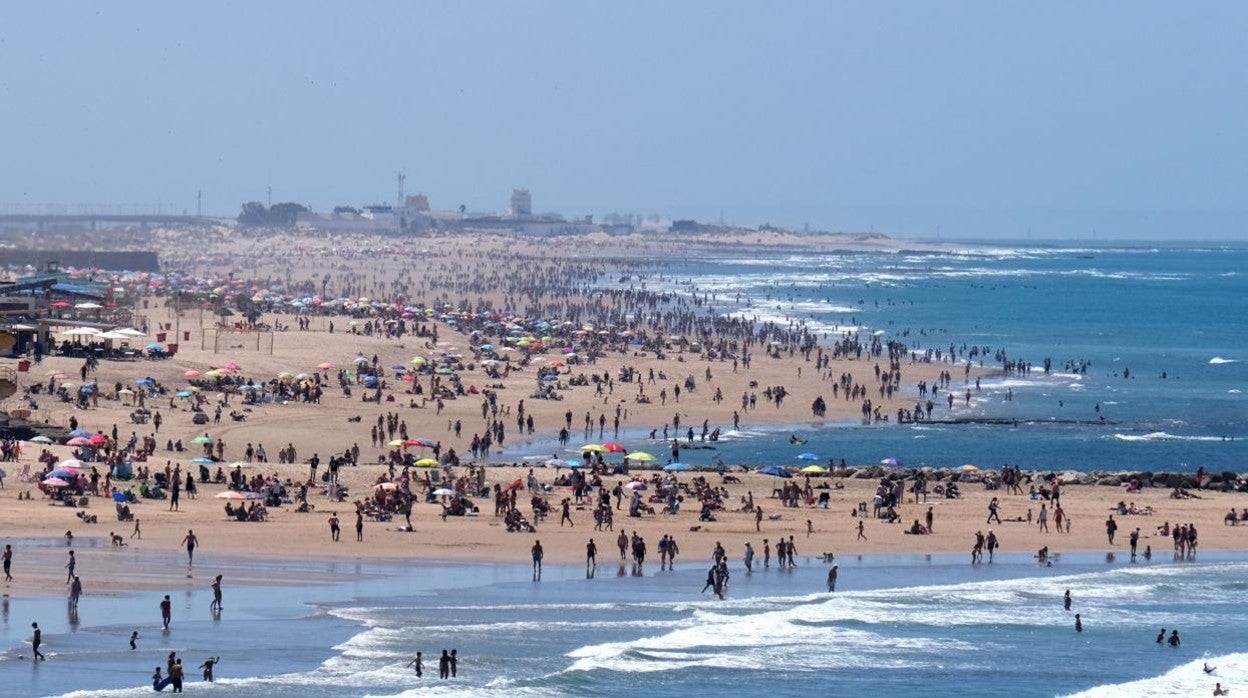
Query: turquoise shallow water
(1148, 310)
(907, 624)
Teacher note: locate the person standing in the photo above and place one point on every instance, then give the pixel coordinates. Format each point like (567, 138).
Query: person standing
(134, 640)
(749, 557)
(75, 592)
(190, 541)
(591, 554)
(216, 595)
(454, 663)
(207, 666)
(419, 664)
(832, 575)
(166, 611)
(334, 529)
(175, 673)
(36, 641)
(359, 526)
(1111, 527)
(538, 554)
(444, 666)
(175, 491)
(8, 563)
(1078, 623)
(73, 563)
(1066, 600)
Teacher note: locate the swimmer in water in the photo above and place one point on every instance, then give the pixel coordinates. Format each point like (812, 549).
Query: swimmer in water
(1066, 600)
(1209, 669)
(1219, 691)
(1078, 623)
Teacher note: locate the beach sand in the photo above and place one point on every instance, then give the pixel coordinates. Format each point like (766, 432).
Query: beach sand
(498, 272)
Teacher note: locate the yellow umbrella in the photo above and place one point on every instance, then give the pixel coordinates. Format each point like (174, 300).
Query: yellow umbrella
(396, 442)
(640, 457)
(427, 463)
(419, 360)
(815, 469)
(968, 467)
(594, 448)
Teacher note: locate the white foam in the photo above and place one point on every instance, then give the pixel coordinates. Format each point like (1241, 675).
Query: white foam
(1218, 360)
(1187, 679)
(1161, 436)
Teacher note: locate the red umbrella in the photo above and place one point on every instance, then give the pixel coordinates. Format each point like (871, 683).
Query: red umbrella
(54, 482)
(613, 447)
(517, 485)
(98, 439)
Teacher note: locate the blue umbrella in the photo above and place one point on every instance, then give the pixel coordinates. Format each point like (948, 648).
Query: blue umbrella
(399, 367)
(487, 347)
(807, 456)
(154, 347)
(184, 393)
(202, 461)
(775, 471)
(64, 474)
(676, 467)
(145, 382)
(80, 433)
(119, 497)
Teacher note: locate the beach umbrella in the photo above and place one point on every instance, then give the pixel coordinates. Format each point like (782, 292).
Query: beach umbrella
(183, 393)
(814, 470)
(71, 463)
(325, 366)
(775, 471)
(443, 492)
(202, 461)
(397, 442)
(119, 497)
(236, 495)
(399, 367)
(54, 482)
(422, 441)
(613, 447)
(640, 457)
(64, 474)
(427, 463)
(807, 456)
(97, 439)
(359, 360)
(592, 448)
(192, 374)
(970, 468)
(635, 485)
(676, 467)
(419, 361)
(153, 347)
(145, 382)
(240, 464)
(233, 366)
(890, 461)
(80, 432)
(41, 439)
(78, 441)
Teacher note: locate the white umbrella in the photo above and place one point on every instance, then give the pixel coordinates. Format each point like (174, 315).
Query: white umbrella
(114, 335)
(81, 332)
(130, 331)
(88, 306)
(443, 492)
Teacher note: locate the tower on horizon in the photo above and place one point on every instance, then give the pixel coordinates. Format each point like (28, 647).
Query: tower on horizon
(521, 203)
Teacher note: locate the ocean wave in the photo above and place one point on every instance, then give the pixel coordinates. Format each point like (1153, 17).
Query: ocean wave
(1187, 679)
(1218, 360)
(1160, 436)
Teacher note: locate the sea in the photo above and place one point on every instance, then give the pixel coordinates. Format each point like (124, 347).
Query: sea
(902, 625)
(1161, 329)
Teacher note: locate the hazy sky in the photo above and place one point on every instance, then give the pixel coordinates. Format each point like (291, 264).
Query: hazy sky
(978, 119)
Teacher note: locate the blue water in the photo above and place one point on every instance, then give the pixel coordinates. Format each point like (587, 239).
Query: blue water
(1178, 310)
(908, 625)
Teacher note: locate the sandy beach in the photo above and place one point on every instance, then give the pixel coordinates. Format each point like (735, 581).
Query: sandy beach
(521, 279)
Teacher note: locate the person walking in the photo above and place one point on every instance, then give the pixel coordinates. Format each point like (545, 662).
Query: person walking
(166, 611)
(35, 641)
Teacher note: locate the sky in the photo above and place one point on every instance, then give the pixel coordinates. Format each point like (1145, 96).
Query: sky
(919, 119)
